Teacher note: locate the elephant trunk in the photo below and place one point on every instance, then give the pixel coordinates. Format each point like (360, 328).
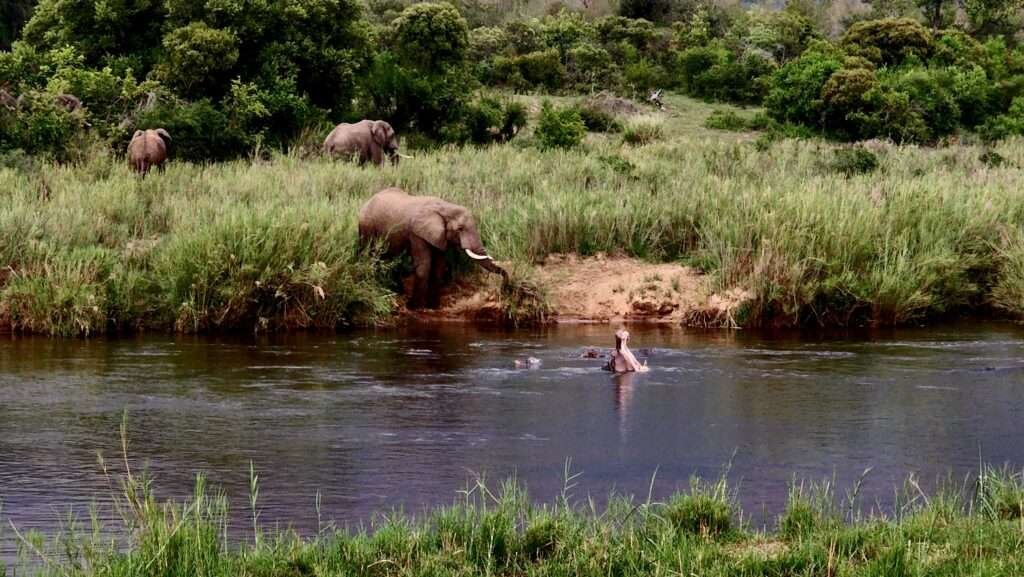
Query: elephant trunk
(487, 262)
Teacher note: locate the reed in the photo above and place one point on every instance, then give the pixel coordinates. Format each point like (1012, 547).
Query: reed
(270, 243)
(974, 528)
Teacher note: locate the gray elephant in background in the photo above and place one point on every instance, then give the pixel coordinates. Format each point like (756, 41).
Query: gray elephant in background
(368, 140)
(425, 227)
(147, 149)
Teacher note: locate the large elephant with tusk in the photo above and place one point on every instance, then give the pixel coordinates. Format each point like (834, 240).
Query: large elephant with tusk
(425, 227)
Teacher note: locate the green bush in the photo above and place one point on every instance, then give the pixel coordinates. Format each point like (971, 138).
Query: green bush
(199, 130)
(852, 161)
(889, 41)
(542, 69)
(590, 65)
(1010, 123)
(489, 120)
(40, 126)
(726, 120)
(796, 87)
(198, 60)
(642, 132)
(598, 120)
(559, 127)
(431, 37)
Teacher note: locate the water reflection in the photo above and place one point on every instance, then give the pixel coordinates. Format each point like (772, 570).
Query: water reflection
(376, 419)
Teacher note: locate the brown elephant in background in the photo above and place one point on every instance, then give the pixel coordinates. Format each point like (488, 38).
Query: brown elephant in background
(368, 140)
(147, 149)
(424, 226)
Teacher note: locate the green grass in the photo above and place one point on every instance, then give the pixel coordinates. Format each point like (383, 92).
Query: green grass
(267, 245)
(975, 528)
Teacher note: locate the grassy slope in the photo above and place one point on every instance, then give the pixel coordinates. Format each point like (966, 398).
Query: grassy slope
(972, 530)
(240, 245)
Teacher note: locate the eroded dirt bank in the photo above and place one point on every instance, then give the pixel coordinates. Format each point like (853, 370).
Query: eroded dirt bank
(602, 289)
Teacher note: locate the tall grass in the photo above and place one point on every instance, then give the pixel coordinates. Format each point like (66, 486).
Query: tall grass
(260, 245)
(500, 531)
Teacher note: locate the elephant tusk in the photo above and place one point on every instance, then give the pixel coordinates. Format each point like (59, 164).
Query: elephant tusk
(476, 256)
(404, 155)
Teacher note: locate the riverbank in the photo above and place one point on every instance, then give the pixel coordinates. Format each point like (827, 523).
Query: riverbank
(270, 244)
(971, 528)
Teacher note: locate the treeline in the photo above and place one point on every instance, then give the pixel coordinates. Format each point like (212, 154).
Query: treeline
(230, 76)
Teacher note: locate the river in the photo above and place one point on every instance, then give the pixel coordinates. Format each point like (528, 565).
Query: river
(375, 420)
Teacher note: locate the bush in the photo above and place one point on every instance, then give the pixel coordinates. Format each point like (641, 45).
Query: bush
(642, 132)
(431, 37)
(889, 41)
(199, 131)
(796, 88)
(589, 65)
(726, 120)
(559, 127)
(198, 60)
(852, 161)
(597, 120)
(491, 121)
(1010, 123)
(541, 69)
(849, 98)
(40, 126)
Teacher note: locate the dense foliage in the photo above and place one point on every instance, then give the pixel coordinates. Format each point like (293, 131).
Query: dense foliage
(230, 76)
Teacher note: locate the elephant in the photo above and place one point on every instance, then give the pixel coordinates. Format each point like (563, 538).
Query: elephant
(369, 140)
(68, 102)
(147, 149)
(425, 227)
(8, 100)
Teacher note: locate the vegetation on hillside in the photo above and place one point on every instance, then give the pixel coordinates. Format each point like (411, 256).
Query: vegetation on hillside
(818, 234)
(228, 78)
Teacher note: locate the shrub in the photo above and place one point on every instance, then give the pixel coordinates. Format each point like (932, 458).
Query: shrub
(726, 120)
(642, 132)
(559, 127)
(486, 42)
(431, 37)
(565, 30)
(489, 120)
(795, 88)
(597, 120)
(524, 36)
(541, 69)
(199, 130)
(848, 99)
(888, 41)
(40, 127)
(198, 60)
(589, 65)
(1010, 123)
(853, 160)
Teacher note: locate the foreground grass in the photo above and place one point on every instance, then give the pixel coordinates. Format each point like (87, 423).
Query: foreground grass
(257, 246)
(975, 529)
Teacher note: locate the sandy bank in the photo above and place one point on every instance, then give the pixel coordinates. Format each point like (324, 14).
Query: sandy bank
(601, 289)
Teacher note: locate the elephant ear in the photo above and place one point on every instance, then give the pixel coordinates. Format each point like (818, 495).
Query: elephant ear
(163, 134)
(429, 225)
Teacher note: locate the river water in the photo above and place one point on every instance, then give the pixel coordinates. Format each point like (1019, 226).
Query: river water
(374, 420)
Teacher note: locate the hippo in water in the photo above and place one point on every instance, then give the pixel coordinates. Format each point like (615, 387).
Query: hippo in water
(623, 360)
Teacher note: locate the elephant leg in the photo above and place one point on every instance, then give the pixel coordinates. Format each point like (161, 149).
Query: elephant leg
(437, 272)
(422, 257)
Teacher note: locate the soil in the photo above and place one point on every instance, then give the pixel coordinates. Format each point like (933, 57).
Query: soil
(608, 102)
(602, 289)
